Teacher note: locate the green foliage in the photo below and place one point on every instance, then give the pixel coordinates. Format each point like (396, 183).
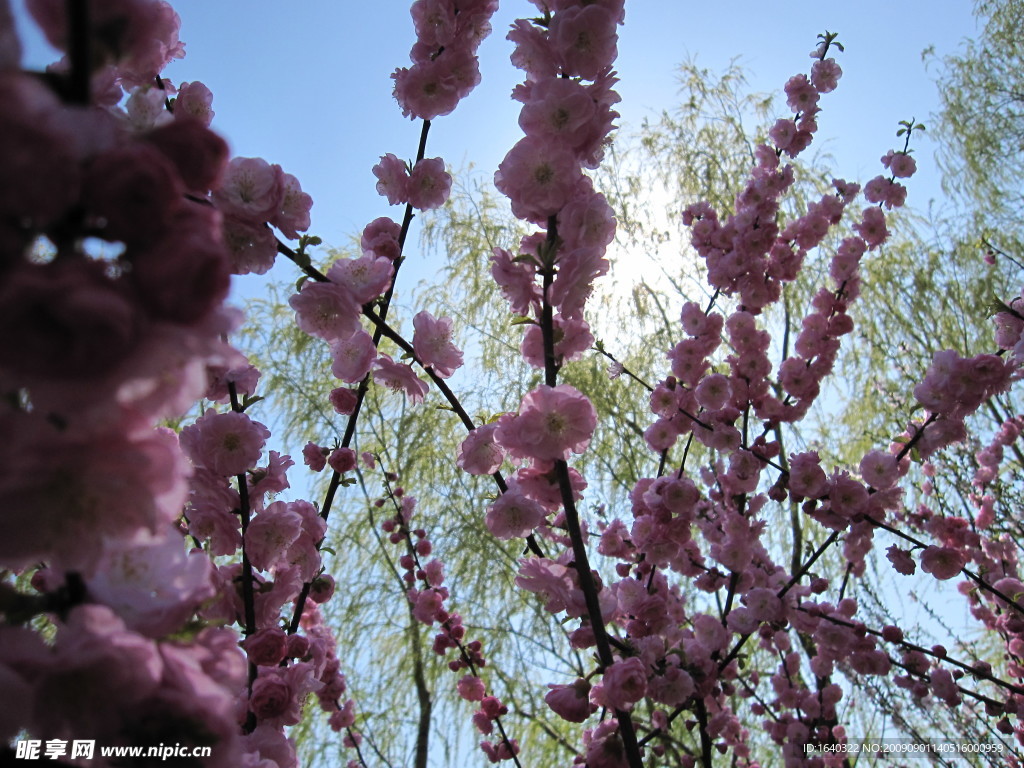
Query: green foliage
(982, 119)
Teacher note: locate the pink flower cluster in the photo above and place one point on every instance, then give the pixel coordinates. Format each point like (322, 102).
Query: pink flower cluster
(425, 187)
(280, 543)
(566, 118)
(427, 601)
(103, 342)
(445, 66)
(253, 194)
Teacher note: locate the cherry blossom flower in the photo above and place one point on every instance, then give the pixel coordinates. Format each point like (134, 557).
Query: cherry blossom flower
(538, 177)
(429, 184)
(514, 515)
(392, 179)
(571, 702)
(399, 377)
(479, 454)
(432, 341)
(552, 421)
(352, 356)
(225, 443)
(942, 562)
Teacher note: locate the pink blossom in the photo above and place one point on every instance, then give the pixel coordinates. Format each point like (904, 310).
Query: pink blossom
(538, 177)
(209, 512)
(364, 278)
(435, 22)
(516, 280)
(42, 175)
(273, 478)
(479, 454)
(782, 133)
(134, 190)
(847, 495)
(95, 656)
(624, 683)
(326, 310)
(342, 460)
(471, 688)
(398, 376)
(252, 246)
(432, 341)
(584, 38)
(551, 422)
(426, 604)
(587, 221)
(806, 477)
(942, 562)
(145, 108)
(380, 239)
(534, 52)
(714, 391)
(872, 227)
(573, 338)
(153, 583)
(801, 96)
(432, 88)
(604, 747)
(574, 282)
(901, 164)
(194, 100)
(571, 702)
(559, 108)
(292, 215)
(226, 443)
(882, 190)
(278, 693)
(343, 400)
(314, 456)
(551, 580)
(267, 647)
(764, 604)
(182, 278)
(140, 37)
(901, 560)
(198, 154)
(429, 184)
(321, 589)
(514, 515)
(879, 469)
(672, 688)
(353, 356)
(251, 189)
(944, 686)
(392, 179)
(270, 534)
(65, 320)
(710, 633)
(825, 74)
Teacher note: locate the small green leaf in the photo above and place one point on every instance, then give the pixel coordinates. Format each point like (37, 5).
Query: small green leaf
(251, 400)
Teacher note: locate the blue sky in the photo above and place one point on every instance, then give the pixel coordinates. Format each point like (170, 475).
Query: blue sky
(307, 84)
